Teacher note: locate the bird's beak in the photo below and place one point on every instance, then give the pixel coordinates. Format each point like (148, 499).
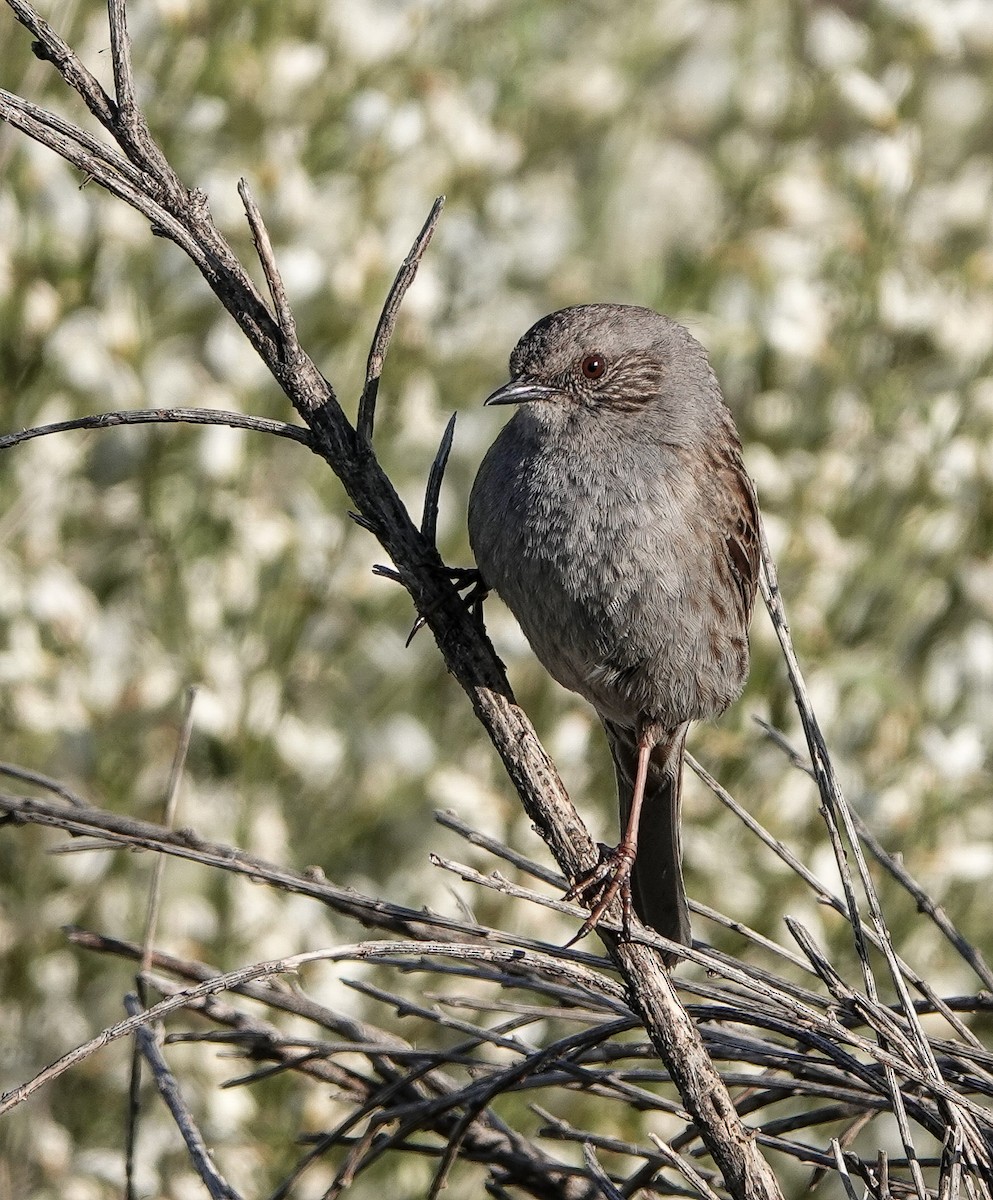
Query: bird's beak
(520, 391)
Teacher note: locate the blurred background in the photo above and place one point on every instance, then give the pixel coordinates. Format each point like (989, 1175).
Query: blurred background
(808, 187)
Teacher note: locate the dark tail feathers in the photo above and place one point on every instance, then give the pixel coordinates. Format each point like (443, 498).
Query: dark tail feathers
(657, 877)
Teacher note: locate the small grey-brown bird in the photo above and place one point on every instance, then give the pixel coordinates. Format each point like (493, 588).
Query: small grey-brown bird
(614, 517)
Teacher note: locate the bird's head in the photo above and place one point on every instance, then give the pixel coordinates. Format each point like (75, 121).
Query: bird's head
(614, 362)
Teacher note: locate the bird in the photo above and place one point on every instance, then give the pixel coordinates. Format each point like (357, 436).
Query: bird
(614, 517)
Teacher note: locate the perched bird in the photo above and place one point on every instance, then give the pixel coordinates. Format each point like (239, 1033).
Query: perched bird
(614, 517)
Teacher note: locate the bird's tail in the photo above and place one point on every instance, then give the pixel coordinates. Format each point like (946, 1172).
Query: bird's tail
(657, 877)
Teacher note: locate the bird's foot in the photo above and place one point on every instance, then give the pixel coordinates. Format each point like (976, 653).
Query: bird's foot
(463, 579)
(470, 580)
(611, 877)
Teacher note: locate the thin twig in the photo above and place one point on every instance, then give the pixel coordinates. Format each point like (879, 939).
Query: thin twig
(51, 48)
(120, 53)
(688, 1172)
(169, 820)
(151, 921)
(846, 1179)
(837, 815)
(387, 323)
(80, 1053)
(165, 1081)
(263, 246)
(165, 416)
(450, 820)
(57, 788)
(130, 126)
(603, 1181)
(432, 492)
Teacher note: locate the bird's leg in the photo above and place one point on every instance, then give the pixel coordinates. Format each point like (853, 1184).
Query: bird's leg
(612, 875)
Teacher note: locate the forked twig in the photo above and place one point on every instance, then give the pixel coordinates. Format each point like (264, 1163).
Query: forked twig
(50, 47)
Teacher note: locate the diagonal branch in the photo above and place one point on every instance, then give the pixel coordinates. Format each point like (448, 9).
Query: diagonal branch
(96, 146)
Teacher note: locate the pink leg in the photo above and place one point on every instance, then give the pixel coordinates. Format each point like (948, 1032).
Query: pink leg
(613, 874)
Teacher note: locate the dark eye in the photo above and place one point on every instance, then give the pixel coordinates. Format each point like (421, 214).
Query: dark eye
(593, 366)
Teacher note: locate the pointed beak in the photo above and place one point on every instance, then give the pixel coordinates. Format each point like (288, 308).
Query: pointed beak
(521, 391)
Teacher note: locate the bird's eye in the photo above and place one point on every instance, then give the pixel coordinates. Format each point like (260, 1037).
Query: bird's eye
(593, 366)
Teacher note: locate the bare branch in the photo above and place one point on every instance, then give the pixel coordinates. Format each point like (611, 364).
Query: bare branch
(263, 245)
(172, 801)
(51, 48)
(603, 1181)
(120, 51)
(387, 323)
(165, 416)
(432, 493)
(165, 1081)
(43, 781)
(863, 1087)
(689, 1173)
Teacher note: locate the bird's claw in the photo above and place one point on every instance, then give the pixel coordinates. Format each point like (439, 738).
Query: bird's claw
(463, 579)
(470, 580)
(608, 879)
